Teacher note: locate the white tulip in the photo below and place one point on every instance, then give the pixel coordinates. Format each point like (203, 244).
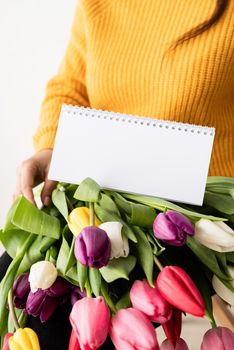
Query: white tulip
(42, 275)
(221, 290)
(119, 243)
(215, 235)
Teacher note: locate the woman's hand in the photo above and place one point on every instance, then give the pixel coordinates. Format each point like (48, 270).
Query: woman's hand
(33, 171)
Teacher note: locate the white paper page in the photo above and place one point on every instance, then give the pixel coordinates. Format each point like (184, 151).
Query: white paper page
(132, 154)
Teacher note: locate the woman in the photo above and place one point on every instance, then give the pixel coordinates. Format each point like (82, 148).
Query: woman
(171, 60)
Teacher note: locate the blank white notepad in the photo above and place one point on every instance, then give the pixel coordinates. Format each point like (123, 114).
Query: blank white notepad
(132, 154)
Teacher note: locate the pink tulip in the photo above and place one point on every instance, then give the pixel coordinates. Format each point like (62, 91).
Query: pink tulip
(149, 301)
(180, 345)
(90, 319)
(178, 289)
(132, 330)
(73, 342)
(219, 338)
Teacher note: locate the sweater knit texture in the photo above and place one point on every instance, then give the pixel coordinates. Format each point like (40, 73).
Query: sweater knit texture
(119, 59)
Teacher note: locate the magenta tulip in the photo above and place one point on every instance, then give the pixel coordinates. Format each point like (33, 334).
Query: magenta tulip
(178, 289)
(149, 301)
(180, 345)
(172, 228)
(219, 338)
(90, 320)
(132, 330)
(93, 247)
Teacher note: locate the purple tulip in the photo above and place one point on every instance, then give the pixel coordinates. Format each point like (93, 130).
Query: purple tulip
(21, 289)
(172, 228)
(44, 302)
(77, 294)
(93, 247)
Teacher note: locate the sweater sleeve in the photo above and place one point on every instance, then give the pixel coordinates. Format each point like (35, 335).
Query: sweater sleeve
(68, 86)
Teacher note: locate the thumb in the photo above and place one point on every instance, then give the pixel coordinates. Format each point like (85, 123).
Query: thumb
(48, 187)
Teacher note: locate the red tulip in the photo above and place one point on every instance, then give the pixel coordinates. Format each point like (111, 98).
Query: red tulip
(180, 345)
(6, 339)
(219, 338)
(178, 289)
(172, 328)
(90, 319)
(73, 343)
(149, 301)
(132, 330)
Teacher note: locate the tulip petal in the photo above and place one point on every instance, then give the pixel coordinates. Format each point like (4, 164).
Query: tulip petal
(35, 302)
(215, 235)
(59, 288)
(42, 275)
(219, 338)
(119, 243)
(49, 306)
(131, 329)
(221, 290)
(177, 288)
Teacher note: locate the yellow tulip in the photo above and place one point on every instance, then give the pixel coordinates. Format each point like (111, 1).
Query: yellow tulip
(79, 218)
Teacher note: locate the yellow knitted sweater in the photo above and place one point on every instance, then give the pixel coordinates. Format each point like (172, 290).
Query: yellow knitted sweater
(118, 59)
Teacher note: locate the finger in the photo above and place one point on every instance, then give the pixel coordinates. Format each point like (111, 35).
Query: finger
(49, 186)
(28, 173)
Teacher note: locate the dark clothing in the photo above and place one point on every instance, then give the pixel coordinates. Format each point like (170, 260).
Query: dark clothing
(54, 334)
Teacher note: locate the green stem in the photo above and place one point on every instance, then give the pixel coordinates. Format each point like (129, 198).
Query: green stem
(88, 289)
(157, 262)
(12, 309)
(70, 206)
(91, 217)
(108, 299)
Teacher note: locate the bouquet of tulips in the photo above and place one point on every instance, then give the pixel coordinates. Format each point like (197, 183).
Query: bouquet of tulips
(126, 263)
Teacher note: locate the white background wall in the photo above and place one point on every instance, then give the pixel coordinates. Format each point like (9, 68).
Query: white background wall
(33, 37)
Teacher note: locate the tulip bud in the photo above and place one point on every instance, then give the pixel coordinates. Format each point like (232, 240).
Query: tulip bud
(79, 219)
(90, 319)
(119, 243)
(149, 301)
(219, 338)
(93, 247)
(172, 328)
(172, 228)
(6, 341)
(21, 289)
(221, 290)
(178, 289)
(42, 275)
(132, 330)
(180, 345)
(215, 235)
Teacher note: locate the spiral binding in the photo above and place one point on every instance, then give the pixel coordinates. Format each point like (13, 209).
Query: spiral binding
(137, 120)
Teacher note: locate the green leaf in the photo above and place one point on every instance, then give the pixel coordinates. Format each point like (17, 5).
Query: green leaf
(71, 261)
(29, 218)
(82, 272)
(143, 253)
(140, 215)
(107, 203)
(95, 281)
(118, 268)
(64, 251)
(230, 257)
(10, 214)
(107, 215)
(59, 200)
(35, 252)
(221, 202)
(219, 184)
(8, 280)
(124, 302)
(88, 190)
(12, 240)
(207, 257)
(163, 205)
